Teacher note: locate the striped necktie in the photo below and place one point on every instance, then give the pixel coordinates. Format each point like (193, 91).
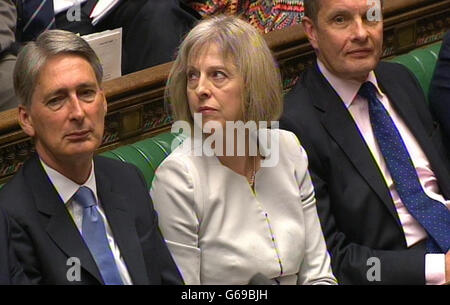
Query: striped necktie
(37, 16)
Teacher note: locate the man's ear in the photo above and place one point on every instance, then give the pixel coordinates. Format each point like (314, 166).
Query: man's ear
(311, 31)
(25, 120)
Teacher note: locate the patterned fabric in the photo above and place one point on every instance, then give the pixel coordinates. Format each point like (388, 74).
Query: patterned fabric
(214, 7)
(431, 214)
(265, 15)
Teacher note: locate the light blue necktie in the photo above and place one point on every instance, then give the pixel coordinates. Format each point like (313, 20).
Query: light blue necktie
(94, 235)
(38, 16)
(431, 214)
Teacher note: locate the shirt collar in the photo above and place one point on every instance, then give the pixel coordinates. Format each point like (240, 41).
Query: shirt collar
(347, 89)
(65, 187)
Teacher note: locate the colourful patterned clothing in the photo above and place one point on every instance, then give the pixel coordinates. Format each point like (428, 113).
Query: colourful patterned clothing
(265, 15)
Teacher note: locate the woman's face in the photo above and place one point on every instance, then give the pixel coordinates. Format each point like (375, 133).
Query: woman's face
(214, 87)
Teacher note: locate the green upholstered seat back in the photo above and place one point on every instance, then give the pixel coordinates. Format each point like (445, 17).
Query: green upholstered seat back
(147, 154)
(422, 63)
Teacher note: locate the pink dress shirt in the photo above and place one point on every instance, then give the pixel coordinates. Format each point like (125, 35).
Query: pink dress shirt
(359, 110)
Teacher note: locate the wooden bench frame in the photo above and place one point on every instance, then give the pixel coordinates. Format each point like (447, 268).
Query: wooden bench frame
(135, 101)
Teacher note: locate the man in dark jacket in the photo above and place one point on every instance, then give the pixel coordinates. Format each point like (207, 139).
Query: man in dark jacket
(377, 160)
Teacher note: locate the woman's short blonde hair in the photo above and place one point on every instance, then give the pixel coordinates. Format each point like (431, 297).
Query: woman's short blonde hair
(262, 89)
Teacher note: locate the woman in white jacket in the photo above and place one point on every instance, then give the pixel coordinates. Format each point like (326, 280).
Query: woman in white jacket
(246, 205)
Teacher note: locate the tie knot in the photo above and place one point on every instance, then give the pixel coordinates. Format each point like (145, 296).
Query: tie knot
(367, 91)
(85, 197)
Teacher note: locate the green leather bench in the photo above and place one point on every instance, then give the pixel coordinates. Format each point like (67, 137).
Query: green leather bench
(149, 153)
(422, 63)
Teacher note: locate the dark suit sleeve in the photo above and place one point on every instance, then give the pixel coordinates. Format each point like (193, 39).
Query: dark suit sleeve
(25, 252)
(15, 270)
(440, 142)
(168, 270)
(170, 274)
(439, 94)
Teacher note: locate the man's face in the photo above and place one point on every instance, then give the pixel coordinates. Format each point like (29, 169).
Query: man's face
(67, 111)
(348, 43)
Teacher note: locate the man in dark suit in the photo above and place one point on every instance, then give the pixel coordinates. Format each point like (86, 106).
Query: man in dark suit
(76, 218)
(440, 89)
(335, 110)
(11, 272)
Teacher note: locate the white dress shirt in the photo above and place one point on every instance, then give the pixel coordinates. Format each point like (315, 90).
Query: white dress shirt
(66, 188)
(359, 110)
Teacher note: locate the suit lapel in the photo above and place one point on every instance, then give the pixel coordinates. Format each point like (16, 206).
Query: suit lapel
(122, 226)
(60, 226)
(341, 127)
(400, 100)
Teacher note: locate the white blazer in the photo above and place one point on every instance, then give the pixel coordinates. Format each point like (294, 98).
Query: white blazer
(221, 232)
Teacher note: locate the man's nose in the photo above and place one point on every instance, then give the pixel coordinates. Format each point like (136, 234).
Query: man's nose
(76, 108)
(359, 30)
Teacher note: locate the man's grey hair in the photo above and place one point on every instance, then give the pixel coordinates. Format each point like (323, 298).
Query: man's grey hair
(34, 55)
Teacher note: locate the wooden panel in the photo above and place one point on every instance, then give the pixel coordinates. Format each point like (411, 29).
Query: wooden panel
(135, 101)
